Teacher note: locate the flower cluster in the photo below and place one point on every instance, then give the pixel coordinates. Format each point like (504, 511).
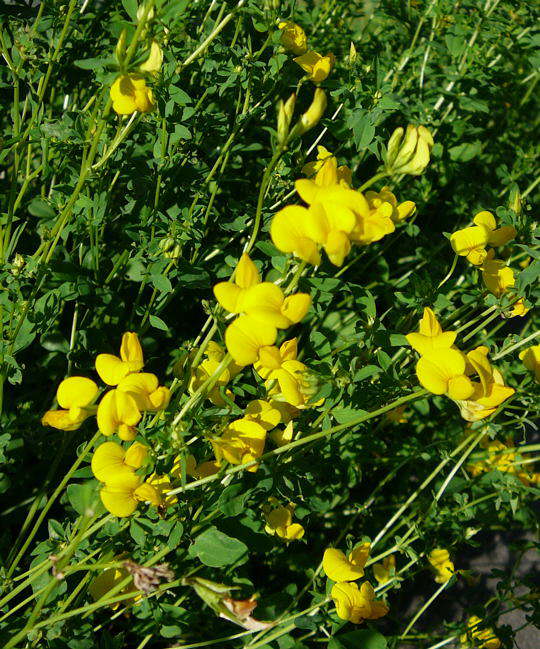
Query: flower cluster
(336, 216)
(444, 369)
(129, 92)
(279, 521)
(478, 635)
(353, 603)
(472, 243)
(502, 457)
(294, 40)
(120, 409)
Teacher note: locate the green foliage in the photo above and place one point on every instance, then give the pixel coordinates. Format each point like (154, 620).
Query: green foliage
(111, 224)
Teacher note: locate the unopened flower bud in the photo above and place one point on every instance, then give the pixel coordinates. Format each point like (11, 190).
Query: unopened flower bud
(352, 54)
(409, 151)
(18, 264)
(140, 13)
(120, 49)
(285, 115)
(313, 114)
(515, 201)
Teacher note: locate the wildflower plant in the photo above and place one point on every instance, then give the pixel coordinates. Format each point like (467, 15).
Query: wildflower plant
(269, 353)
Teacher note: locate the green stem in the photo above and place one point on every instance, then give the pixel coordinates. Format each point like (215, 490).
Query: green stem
(327, 432)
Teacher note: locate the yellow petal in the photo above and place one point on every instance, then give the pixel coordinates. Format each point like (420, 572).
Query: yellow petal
(246, 273)
(429, 325)
(136, 455)
(293, 37)
(148, 493)
(296, 306)
(117, 496)
(263, 414)
(289, 232)
(153, 63)
(289, 387)
(62, 419)
(337, 247)
(117, 408)
(263, 302)
(111, 369)
(294, 532)
(469, 239)
(76, 391)
(338, 568)
(108, 460)
(435, 370)
(486, 219)
(131, 351)
(426, 344)
(359, 556)
(245, 336)
(501, 236)
(404, 210)
(460, 387)
(140, 387)
(229, 296)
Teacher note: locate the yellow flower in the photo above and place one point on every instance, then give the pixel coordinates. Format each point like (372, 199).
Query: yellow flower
(313, 114)
(430, 335)
(409, 154)
(75, 396)
(112, 369)
(101, 585)
(518, 309)
(282, 436)
(385, 203)
(281, 365)
(145, 390)
(110, 459)
(262, 301)
(471, 242)
(338, 567)
(530, 357)
(245, 336)
(479, 636)
(263, 413)
(497, 276)
(378, 223)
(242, 441)
(124, 491)
(162, 484)
(325, 170)
(444, 568)
(489, 393)
(385, 570)
(129, 94)
(302, 230)
(214, 355)
(442, 371)
(293, 37)
(152, 65)
(279, 522)
(118, 413)
(316, 66)
(357, 604)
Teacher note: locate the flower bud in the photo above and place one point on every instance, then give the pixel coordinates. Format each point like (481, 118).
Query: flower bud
(312, 115)
(285, 115)
(409, 154)
(352, 54)
(293, 37)
(140, 13)
(120, 49)
(515, 203)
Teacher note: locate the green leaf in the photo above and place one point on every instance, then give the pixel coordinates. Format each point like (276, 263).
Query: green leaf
(213, 548)
(360, 639)
(465, 151)
(158, 323)
(82, 497)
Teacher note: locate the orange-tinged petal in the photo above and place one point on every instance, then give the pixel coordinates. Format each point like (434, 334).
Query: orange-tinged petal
(76, 391)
